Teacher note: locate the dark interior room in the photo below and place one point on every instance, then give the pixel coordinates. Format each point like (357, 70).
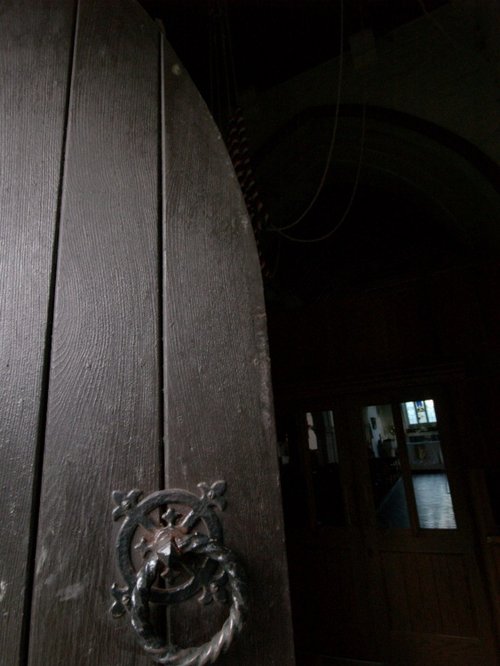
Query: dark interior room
(369, 131)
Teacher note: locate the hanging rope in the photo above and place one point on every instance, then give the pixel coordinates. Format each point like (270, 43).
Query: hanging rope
(351, 200)
(334, 132)
(437, 24)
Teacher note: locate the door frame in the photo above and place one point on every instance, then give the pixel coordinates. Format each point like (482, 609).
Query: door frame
(447, 385)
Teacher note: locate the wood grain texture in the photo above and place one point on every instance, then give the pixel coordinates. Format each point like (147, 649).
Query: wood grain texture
(437, 613)
(219, 417)
(430, 593)
(417, 649)
(35, 41)
(102, 422)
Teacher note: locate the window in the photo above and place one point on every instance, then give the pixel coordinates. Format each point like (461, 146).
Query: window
(324, 467)
(420, 411)
(408, 474)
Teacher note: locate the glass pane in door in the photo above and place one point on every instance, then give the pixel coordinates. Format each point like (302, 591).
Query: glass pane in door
(325, 469)
(427, 466)
(385, 467)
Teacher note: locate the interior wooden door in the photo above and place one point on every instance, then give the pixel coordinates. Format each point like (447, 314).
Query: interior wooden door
(419, 526)
(331, 574)
(133, 340)
(386, 565)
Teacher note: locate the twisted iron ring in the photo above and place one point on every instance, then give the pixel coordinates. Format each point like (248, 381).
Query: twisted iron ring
(207, 652)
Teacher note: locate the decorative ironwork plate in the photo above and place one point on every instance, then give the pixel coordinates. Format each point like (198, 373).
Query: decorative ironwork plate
(164, 560)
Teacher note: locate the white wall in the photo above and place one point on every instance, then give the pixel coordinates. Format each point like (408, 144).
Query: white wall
(443, 67)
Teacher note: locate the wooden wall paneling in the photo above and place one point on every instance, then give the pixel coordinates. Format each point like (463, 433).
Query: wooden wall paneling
(493, 551)
(429, 615)
(462, 597)
(104, 393)
(219, 417)
(35, 48)
(421, 592)
(490, 541)
(433, 614)
(417, 603)
(399, 607)
(445, 588)
(416, 649)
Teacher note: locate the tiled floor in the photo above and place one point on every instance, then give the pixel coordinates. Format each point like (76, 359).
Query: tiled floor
(434, 504)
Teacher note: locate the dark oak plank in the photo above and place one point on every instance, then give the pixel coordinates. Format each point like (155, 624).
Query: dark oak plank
(219, 417)
(102, 424)
(395, 585)
(35, 41)
(419, 649)
(429, 615)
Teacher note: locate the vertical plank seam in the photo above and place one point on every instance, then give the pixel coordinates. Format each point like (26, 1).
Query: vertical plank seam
(163, 467)
(161, 271)
(44, 392)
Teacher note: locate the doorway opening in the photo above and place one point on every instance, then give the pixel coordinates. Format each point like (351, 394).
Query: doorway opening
(371, 334)
(407, 467)
(380, 539)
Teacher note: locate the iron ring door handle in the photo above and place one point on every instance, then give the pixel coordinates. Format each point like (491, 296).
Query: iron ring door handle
(164, 542)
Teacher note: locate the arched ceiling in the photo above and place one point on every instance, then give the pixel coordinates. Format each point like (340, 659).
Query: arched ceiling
(399, 202)
(417, 205)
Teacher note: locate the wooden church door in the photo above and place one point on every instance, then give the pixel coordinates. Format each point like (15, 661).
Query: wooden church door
(134, 357)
